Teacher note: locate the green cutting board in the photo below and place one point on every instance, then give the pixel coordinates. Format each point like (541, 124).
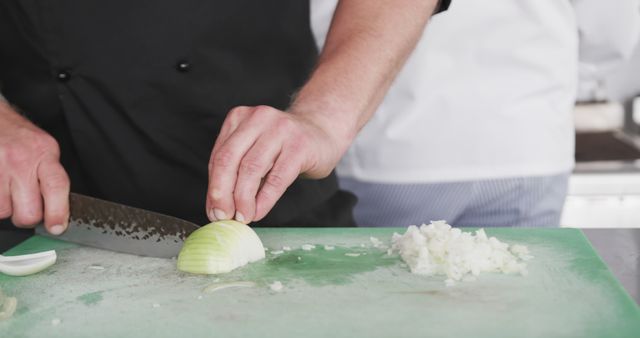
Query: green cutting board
(569, 292)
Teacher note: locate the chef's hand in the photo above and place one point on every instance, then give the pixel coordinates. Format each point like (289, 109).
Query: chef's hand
(33, 183)
(259, 152)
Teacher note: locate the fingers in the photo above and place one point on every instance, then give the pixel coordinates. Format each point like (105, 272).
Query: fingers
(253, 168)
(283, 173)
(238, 134)
(26, 201)
(260, 151)
(54, 186)
(231, 123)
(29, 171)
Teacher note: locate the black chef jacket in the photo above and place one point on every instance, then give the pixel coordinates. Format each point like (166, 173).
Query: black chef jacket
(135, 92)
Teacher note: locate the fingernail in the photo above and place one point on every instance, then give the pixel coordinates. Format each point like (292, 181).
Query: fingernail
(219, 214)
(240, 217)
(56, 229)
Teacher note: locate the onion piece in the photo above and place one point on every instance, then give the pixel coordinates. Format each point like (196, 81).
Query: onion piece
(24, 265)
(220, 247)
(276, 286)
(221, 286)
(8, 306)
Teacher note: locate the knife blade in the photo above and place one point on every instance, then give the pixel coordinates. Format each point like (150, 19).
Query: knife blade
(116, 227)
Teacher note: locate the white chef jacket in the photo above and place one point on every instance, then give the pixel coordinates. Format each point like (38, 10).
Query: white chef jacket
(487, 93)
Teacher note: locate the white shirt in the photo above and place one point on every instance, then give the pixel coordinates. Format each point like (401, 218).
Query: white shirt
(488, 93)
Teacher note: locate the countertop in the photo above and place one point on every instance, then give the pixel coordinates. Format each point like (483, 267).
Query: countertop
(620, 249)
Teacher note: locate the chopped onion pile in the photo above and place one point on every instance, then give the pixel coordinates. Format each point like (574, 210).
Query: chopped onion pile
(439, 249)
(220, 247)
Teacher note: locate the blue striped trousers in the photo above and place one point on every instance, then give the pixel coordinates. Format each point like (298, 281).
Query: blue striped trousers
(508, 202)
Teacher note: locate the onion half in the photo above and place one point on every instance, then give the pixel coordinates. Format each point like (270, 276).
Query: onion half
(220, 247)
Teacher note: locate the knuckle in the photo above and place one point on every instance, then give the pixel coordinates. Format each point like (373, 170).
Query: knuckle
(251, 167)
(56, 182)
(21, 154)
(223, 158)
(236, 114)
(220, 201)
(236, 111)
(263, 110)
(46, 143)
(218, 198)
(213, 195)
(26, 220)
(275, 181)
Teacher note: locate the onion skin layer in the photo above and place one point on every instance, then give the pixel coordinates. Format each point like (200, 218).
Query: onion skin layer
(220, 247)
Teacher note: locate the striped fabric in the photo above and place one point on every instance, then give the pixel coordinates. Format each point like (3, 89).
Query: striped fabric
(510, 202)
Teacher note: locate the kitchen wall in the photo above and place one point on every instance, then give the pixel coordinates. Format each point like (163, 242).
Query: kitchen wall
(624, 82)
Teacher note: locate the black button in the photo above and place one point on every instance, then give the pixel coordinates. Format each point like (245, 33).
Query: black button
(63, 76)
(183, 66)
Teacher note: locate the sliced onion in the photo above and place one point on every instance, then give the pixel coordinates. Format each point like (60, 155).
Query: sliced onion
(24, 265)
(220, 247)
(221, 286)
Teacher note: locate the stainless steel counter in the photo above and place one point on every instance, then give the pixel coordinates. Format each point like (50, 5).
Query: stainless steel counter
(619, 248)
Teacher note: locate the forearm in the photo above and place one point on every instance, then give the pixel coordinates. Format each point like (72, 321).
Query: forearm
(367, 45)
(260, 150)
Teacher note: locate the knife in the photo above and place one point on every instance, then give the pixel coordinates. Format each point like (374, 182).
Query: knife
(116, 227)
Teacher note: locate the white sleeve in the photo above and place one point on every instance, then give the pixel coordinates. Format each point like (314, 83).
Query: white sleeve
(321, 15)
(608, 31)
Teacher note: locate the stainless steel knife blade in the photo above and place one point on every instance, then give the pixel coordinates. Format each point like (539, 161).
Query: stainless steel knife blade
(116, 227)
